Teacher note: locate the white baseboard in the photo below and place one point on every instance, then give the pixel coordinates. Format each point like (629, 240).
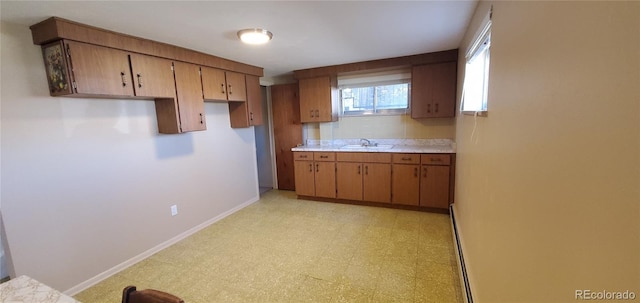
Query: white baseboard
(462, 271)
(116, 269)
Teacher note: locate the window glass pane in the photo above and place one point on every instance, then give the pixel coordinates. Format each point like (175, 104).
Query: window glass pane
(392, 96)
(476, 79)
(376, 98)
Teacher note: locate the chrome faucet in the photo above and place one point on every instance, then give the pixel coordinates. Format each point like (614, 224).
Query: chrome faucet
(366, 142)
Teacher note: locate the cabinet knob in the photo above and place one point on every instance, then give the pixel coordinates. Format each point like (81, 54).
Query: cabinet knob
(311, 113)
(222, 88)
(230, 90)
(139, 80)
(201, 119)
(251, 116)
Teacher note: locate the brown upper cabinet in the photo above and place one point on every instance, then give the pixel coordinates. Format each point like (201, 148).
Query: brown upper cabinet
(190, 102)
(85, 61)
(319, 99)
(152, 76)
(433, 90)
(249, 113)
(223, 85)
(89, 70)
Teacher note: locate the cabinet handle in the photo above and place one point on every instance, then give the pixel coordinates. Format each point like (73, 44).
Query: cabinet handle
(366, 169)
(303, 156)
(139, 80)
(317, 167)
(310, 167)
(311, 113)
(425, 172)
(359, 169)
(415, 172)
(201, 119)
(222, 88)
(324, 157)
(230, 90)
(406, 158)
(428, 108)
(317, 114)
(251, 116)
(124, 79)
(436, 107)
(435, 160)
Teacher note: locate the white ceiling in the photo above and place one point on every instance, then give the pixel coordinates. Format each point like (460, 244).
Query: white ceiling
(306, 33)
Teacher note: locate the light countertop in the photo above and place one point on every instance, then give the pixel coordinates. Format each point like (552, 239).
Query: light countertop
(417, 146)
(27, 290)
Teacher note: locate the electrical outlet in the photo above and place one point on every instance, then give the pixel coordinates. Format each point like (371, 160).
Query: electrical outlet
(174, 210)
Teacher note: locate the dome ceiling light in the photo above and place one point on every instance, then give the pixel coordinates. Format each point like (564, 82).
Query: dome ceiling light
(255, 35)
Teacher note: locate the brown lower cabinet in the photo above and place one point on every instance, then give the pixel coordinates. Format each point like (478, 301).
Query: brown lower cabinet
(421, 180)
(364, 177)
(315, 174)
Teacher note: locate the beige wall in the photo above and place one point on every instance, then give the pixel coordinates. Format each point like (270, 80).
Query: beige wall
(548, 187)
(88, 183)
(383, 127)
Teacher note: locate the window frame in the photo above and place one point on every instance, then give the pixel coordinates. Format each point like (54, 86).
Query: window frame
(481, 43)
(374, 111)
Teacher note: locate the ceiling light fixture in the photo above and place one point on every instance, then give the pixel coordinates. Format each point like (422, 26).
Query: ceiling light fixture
(255, 35)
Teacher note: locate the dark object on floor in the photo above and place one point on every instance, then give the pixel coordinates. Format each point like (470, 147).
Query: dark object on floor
(131, 295)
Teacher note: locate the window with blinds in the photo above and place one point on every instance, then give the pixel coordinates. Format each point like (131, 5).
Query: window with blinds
(381, 93)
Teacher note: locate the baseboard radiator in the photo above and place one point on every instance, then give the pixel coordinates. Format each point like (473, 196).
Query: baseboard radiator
(464, 278)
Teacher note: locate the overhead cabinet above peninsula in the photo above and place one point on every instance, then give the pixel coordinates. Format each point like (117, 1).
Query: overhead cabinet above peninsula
(84, 61)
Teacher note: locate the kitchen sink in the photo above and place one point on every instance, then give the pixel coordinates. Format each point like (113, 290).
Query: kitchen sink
(358, 146)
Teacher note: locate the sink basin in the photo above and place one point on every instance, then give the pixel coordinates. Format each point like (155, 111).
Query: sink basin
(358, 146)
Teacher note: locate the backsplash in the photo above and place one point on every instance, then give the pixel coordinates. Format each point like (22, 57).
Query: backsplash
(403, 142)
(382, 127)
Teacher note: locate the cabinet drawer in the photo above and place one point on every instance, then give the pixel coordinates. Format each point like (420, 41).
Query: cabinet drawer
(321, 156)
(349, 157)
(406, 158)
(297, 156)
(436, 159)
(376, 158)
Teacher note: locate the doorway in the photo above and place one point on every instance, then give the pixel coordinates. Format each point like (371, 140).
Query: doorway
(263, 146)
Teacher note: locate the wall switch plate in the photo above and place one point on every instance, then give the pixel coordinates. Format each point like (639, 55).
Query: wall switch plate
(174, 210)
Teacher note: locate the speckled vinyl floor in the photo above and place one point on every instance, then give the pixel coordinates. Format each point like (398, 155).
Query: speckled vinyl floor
(281, 249)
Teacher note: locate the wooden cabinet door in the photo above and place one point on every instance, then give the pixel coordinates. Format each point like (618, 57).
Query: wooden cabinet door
(377, 182)
(287, 131)
(434, 186)
(325, 174)
(152, 76)
(236, 87)
(254, 99)
(317, 102)
(304, 177)
(405, 184)
(190, 101)
(349, 180)
(433, 90)
(214, 85)
(249, 113)
(99, 70)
